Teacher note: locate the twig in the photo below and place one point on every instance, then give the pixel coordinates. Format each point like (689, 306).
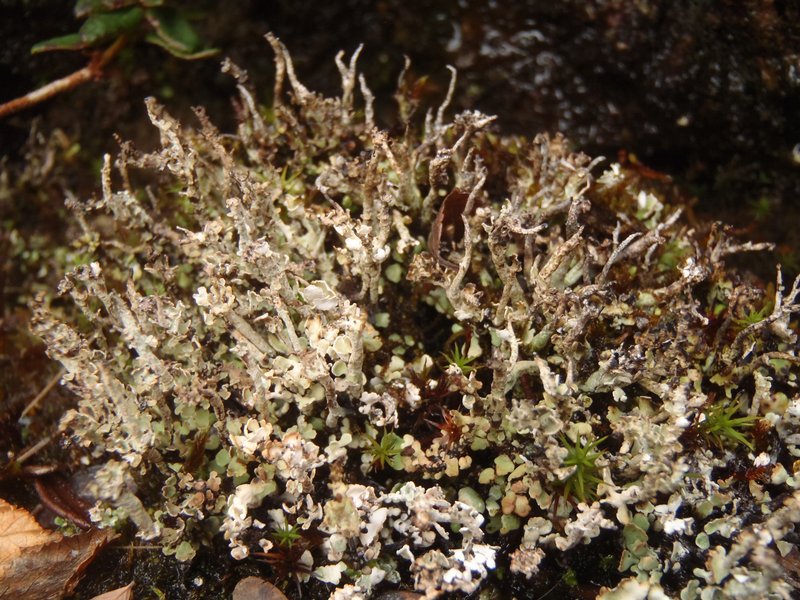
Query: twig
(40, 396)
(34, 449)
(91, 71)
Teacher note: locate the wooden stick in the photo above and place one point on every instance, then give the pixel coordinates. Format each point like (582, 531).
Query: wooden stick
(34, 449)
(91, 71)
(45, 390)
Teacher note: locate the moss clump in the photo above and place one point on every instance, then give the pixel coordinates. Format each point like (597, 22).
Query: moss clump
(583, 482)
(720, 425)
(243, 329)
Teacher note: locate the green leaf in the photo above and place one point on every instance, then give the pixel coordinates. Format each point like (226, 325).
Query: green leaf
(387, 451)
(184, 552)
(154, 39)
(396, 462)
(72, 41)
(459, 358)
(84, 8)
(174, 30)
(102, 27)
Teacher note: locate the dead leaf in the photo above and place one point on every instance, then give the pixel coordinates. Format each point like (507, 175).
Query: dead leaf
(255, 588)
(448, 226)
(123, 593)
(18, 531)
(37, 563)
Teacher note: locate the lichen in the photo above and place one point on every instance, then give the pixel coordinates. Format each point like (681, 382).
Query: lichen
(258, 333)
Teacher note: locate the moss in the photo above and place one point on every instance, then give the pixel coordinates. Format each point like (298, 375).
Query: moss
(582, 483)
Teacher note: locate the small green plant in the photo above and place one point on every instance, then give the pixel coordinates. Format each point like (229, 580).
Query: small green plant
(672, 254)
(570, 578)
(720, 425)
(386, 451)
(761, 208)
(459, 358)
(288, 557)
(752, 316)
(582, 484)
(286, 535)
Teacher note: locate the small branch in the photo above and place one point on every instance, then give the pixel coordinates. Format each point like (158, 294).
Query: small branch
(91, 71)
(34, 449)
(40, 396)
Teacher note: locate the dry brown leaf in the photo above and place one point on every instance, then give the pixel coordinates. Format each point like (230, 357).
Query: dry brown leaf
(255, 588)
(36, 563)
(18, 531)
(52, 570)
(123, 593)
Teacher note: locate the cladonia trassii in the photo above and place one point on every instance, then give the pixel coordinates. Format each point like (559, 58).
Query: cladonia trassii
(254, 324)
